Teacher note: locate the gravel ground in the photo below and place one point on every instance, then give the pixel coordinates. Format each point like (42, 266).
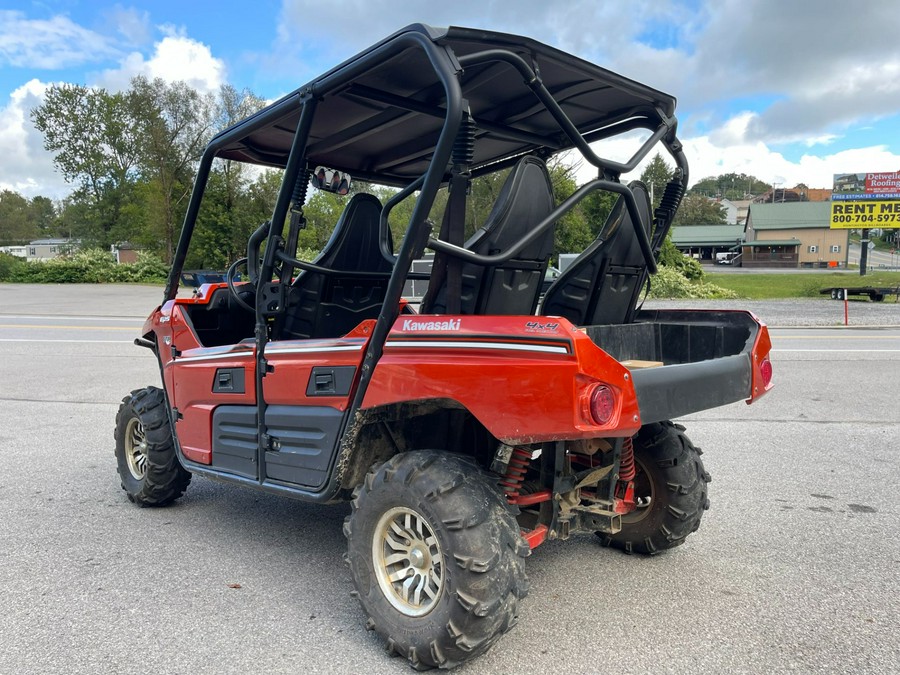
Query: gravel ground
(799, 311)
(139, 300)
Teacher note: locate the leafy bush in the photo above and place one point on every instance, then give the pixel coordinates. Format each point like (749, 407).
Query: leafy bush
(8, 266)
(90, 266)
(673, 258)
(146, 269)
(307, 254)
(670, 283)
(689, 268)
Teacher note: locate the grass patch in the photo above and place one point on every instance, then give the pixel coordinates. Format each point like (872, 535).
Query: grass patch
(805, 285)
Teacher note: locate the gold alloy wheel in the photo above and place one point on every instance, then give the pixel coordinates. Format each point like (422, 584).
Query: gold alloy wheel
(408, 561)
(136, 448)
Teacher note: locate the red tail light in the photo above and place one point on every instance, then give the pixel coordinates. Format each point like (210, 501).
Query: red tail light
(765, 370)
(603, 404)
(761, 373)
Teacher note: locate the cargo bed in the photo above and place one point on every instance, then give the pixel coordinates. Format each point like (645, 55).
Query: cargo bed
(684, 361)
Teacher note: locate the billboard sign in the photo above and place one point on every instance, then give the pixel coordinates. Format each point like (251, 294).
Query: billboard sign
(860, 200)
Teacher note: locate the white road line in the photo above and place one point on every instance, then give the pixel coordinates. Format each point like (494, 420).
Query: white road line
(61, 326)
(838, 351)
(108, 342)
(67, 317)
(836, 337)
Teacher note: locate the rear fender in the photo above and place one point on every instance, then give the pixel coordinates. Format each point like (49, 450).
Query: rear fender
(526, 379)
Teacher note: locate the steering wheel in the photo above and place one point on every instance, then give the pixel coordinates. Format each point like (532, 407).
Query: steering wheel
(229, 279)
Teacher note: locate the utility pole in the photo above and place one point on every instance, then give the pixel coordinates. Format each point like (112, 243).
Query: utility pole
(863, 251)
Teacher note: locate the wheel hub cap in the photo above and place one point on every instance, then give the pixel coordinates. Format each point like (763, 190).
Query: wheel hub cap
(408, 561)
(417, 558)
(136, 448)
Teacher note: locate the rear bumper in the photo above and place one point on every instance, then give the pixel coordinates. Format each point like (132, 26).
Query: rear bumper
(674, 391)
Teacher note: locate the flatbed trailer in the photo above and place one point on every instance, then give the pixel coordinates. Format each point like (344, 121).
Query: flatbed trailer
(875, 293)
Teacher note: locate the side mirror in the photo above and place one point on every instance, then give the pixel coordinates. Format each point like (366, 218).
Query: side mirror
(331, 180)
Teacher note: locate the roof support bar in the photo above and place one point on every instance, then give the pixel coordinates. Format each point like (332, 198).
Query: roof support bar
(533, 81)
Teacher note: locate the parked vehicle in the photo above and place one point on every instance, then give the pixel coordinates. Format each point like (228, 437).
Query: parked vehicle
(468, 432)
(727, 258)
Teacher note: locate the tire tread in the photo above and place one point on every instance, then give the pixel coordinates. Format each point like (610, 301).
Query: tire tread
(483, 545)
(165, 480)
(682, 494)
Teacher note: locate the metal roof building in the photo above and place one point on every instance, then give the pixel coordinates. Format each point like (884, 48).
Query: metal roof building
(795, 234)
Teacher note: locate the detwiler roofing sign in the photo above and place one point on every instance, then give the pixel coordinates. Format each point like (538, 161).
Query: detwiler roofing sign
(866, 200)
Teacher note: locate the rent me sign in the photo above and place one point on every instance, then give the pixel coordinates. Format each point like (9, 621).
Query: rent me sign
(860, 200)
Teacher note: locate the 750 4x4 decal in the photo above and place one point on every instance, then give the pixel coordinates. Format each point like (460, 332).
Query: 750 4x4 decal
(538, 327)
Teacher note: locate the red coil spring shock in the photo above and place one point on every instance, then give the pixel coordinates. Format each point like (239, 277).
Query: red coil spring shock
(626, 461)
(515, 472)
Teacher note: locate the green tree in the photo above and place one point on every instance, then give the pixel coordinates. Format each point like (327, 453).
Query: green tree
(132, 157)
(224, 224)
(94, 138)
(574, 230)
(656, 176)
(42, 214)
(699, 210)
(232, 206)
(322, 211)
(16, 225)
(176, 123)
(733, 186)
(597, 207)
(232, 106)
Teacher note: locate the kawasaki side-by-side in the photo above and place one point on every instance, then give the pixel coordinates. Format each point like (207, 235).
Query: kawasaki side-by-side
(469, 425)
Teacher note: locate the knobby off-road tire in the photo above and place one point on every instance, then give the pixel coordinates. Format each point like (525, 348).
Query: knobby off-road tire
(670, 473)
(148, 467)
(436, 558)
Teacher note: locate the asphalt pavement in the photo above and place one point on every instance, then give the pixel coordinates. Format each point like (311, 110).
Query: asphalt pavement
(794, 568)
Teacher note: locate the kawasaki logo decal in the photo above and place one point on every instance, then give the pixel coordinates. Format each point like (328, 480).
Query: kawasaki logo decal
(417, 325)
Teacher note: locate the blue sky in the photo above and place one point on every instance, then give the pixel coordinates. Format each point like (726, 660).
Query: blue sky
(787, 91)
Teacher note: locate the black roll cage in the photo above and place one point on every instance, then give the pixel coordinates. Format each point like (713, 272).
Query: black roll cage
(447, 67)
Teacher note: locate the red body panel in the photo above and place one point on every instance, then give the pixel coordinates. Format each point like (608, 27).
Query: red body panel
(525, 378)
(293, 361)
(189, 378)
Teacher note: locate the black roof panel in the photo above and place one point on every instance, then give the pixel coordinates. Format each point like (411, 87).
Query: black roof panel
(385, 118)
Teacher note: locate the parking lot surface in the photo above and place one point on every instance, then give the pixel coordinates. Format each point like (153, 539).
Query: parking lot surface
(794, 568)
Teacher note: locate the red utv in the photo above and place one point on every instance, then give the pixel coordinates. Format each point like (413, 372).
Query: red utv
(470, 426)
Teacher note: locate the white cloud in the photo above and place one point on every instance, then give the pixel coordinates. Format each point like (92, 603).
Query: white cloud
(707, 158)
(52, 43)
(175, 57)
(24, 164)
(824, 139)
(728, 150)
(734, 131)
(31, 171)
(824, 75)
(132, 24)
(585, 27)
